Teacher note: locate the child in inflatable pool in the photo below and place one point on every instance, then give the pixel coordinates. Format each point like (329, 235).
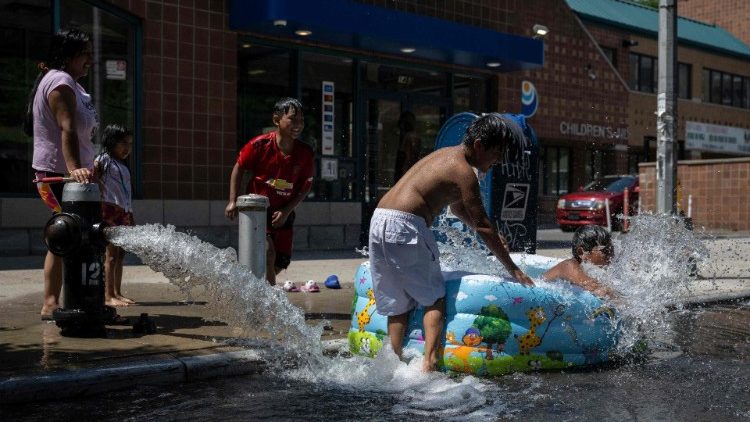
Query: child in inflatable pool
(404, 258)
(591, 244)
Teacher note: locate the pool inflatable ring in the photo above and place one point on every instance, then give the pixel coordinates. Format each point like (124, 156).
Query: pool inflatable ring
(495, 326)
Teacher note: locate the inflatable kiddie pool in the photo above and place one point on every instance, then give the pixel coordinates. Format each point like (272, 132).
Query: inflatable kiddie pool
(495, 326)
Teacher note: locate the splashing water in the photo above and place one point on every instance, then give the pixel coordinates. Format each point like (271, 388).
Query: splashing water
(462, 250)
(236, 296)
(239, 298)
(651, 268)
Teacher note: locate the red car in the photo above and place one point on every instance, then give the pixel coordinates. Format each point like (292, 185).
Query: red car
(587, 206)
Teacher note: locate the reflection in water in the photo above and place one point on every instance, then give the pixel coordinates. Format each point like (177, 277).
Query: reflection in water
(50, 337)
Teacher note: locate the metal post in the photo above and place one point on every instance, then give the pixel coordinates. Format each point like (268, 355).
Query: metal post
(609, 218)
(666, 109)
(626, 210)
(252, 233)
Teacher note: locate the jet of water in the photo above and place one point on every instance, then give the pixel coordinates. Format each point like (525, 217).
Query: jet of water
(235, 295)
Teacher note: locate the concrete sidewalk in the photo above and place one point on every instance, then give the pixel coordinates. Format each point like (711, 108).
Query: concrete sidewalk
(36, 363)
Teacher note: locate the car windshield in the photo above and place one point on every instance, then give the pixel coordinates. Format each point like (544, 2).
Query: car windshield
(610, 184)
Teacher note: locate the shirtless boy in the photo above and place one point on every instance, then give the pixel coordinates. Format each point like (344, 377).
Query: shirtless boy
(404, 257)
(593, 245)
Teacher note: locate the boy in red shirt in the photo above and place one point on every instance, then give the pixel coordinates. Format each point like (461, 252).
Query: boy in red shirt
(281, 169)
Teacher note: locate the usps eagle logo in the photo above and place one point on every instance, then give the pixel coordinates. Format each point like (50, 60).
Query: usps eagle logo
(529, 99)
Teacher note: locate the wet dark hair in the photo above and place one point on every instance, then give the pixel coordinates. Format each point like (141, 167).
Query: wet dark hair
(493, 130)
(285, 105)
(65, 44)
(588, 237)
(111, 136)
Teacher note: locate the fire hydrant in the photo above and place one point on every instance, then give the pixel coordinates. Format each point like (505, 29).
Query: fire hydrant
(77, 235)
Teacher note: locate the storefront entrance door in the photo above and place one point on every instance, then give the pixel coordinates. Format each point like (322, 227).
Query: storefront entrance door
(400, 128)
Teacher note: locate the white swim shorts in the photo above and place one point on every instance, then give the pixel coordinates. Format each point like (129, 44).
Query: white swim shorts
(404, 262)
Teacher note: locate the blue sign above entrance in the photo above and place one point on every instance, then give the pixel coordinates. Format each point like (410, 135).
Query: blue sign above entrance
(359, 26)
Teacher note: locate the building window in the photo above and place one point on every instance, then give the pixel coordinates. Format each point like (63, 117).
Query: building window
(554, 171)
(263, 79)
(643, 70)
(726, 89)
(113, 81)
(316, 69)
(633, 159)
(684, 81)
(611, 54)
(644, 75)
(469, 94)
(23, 44)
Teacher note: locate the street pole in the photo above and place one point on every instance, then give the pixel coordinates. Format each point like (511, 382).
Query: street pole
(666, 110)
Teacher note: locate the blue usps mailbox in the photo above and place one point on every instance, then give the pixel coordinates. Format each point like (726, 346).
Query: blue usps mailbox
(509, 191)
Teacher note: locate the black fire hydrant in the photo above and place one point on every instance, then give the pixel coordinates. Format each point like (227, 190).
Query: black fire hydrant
(77, 235)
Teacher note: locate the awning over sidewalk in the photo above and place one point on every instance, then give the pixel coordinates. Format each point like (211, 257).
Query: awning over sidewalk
(354, 25)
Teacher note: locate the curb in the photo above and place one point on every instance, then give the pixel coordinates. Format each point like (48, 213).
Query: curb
(87, 382)
(65, 384)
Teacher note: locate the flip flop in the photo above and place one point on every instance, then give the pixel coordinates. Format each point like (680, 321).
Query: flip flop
(289, 286)
(310, 287)
(332, 282)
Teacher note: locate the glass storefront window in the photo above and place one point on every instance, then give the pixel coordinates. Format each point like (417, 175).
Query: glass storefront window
(554, 171)
(111, 81)
(23, 44)
(263, 79)
(335, 171)
(469, 94)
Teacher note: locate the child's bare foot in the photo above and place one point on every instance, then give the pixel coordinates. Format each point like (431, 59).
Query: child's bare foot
(126, 299)
(429, 365)
(46, 312)
(113, 301)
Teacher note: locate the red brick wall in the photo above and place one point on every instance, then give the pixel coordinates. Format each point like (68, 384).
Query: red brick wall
(566, 92)
(732, 15)
(720, 190)
(189, 97)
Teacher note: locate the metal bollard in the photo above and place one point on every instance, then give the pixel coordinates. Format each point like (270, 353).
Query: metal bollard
(76, 235)
(252, 233)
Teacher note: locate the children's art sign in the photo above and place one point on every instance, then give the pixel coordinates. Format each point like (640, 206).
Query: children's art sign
(326, 117)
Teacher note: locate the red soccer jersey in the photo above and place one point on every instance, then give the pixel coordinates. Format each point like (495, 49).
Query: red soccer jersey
(276, 175)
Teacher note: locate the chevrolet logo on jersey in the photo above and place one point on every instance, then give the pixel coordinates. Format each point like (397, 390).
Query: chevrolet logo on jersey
(280, 184)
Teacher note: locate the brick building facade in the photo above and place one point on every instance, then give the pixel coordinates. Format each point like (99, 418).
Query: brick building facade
(207, 77)
(732, 15)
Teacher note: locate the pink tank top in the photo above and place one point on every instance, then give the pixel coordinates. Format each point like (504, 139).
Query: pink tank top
(48, 155)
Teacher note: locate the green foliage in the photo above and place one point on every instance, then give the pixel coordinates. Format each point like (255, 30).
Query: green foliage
(356, 340)
(504, 364)
(493, 324)
(380, 334)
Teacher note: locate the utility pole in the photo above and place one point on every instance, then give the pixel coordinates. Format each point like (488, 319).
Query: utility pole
(666, 110)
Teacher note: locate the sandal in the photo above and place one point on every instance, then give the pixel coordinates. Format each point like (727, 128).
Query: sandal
(310, 287)
(289, 286)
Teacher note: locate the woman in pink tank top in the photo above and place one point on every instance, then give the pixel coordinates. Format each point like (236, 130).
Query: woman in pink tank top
(63, 122)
